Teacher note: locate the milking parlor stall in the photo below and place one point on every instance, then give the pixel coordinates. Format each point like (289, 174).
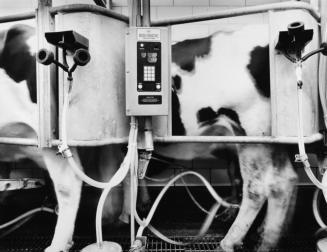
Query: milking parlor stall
(185, 121)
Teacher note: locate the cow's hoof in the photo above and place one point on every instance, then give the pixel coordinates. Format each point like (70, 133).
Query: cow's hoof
(54, 248)
(124, 218)
(226, 246)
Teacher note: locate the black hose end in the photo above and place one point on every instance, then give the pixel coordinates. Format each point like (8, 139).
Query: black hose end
(45, 57)
(295, 28)
(81, 57)
(324, 46)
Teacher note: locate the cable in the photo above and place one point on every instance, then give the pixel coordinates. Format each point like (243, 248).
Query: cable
(28, 213)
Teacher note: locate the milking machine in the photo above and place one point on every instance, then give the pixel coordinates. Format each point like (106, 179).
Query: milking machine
(291, 44)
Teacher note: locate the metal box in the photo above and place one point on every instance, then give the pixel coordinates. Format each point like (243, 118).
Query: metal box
(147, 71)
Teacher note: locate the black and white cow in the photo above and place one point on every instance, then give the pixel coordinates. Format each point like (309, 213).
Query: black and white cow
(230, 72)
(19, 119)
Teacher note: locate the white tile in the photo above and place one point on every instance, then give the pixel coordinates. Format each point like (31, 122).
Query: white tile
(117, 9)
(170, 12)
(162, 2)
(188, 31)
(233, 3)
(191, 2)
(259, 2)
(119, 2)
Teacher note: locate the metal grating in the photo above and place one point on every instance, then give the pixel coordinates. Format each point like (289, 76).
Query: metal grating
(206, 244)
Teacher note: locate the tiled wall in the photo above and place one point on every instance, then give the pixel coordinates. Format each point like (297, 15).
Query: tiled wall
(162, 9)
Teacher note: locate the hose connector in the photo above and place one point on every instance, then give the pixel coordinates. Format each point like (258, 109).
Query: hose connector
(64, 150)
(302, 158)
(139, 245)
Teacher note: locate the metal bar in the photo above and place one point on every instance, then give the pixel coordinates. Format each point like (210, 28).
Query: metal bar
(174, 139)
(45, 75)
(237, 139)
(88, 8)
(17, 17)
(240, 12)
(19, 141)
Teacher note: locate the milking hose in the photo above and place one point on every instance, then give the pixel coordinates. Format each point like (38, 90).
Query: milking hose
(25, 215)
(118, 176)
(303, 157)
(63, 148)
(144, 223)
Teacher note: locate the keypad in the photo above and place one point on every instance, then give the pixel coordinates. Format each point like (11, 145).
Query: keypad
(149, 73)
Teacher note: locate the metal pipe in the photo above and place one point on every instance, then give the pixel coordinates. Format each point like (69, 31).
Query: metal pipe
(237, 139)
(19, 141)
(17, 17)
(240, 12)
(88, 8)
(173, 139)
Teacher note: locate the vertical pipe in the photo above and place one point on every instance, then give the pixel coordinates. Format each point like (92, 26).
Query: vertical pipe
(45, 77)
(323, 61)
(134, 20)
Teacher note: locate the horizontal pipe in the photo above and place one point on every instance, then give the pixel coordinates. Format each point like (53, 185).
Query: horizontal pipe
(239, 12)
(18, 141)
(81, 143)
(174, 139)
(17, 17)
(238, 139)
(88, 8)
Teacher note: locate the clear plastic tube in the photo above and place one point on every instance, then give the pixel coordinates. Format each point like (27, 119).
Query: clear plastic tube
(302, 154)
(144, 223)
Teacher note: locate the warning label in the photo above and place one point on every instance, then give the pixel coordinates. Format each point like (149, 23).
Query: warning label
(148, 34)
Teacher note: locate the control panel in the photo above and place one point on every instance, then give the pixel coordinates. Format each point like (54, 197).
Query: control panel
(147, 71)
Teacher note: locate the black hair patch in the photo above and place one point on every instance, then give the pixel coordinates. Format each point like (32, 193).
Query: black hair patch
(206, 115)
(260, 70)
(185, 52)
(177, 82)
(231, 114)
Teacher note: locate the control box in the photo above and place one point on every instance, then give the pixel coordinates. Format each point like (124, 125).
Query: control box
(147, 71)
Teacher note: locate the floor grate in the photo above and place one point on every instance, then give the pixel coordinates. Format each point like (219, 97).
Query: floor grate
(208, 243)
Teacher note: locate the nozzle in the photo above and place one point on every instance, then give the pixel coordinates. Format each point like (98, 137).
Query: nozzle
(45, 56)
(81, 57)
(295, 29)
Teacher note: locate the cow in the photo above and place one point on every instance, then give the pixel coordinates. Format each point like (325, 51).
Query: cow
(229, 71)
(19, 119)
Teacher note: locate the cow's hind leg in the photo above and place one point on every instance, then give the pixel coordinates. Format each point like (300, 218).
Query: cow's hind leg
(253, 165)
(281, 182)
(68, 190)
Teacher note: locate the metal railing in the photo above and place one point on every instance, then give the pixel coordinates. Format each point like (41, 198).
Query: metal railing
(240, 12)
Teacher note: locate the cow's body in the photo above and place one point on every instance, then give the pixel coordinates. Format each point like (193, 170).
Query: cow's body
(19, 119)
(231, 71)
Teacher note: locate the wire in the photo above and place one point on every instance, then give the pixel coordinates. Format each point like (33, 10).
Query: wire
(28, 213)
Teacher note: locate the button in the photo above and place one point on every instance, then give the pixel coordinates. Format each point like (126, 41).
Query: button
(139, 86)
(158, 86)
